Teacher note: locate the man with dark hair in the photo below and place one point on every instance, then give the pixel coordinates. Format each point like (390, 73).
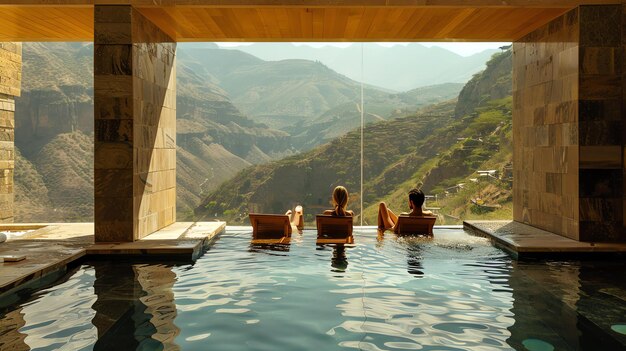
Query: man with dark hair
(387, 219)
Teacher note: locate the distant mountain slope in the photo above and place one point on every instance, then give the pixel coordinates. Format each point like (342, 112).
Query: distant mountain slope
(345, 117)
(295, 105)
(56, 108)
(287, 93)
(435, 149)
(31, 194)
(398, 68)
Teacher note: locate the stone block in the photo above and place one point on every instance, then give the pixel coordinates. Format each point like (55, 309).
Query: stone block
(107, 33)
(600, 25)
(114, 130)
(113, 59)
(115, 183)
(601, 209)
(113, 108)
(554, 183)
(601, 183)
(600, 157)
(600, 133)
(113, 155)
(600, 87)
(600, 110)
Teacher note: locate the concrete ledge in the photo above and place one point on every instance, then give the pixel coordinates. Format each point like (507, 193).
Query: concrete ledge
(52, 248)
(180, 240)
(524, 241)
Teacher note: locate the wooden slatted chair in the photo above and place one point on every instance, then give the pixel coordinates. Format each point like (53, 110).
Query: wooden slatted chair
(270, 228)
(408, 225)
(334, 229)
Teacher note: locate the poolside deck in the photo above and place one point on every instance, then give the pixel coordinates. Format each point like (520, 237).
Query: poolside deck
(51, 248)
(524, 241)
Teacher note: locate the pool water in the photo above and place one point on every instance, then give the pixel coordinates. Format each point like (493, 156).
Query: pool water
(452, 292)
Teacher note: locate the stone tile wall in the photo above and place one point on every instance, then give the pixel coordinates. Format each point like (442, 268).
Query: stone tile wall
(545, 127)
(10, 79)
(568, 125)
(135, 125)
(600, 124)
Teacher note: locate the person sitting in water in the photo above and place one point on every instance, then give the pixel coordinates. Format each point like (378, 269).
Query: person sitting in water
(340, 202)
(387, 219)
(297, 217)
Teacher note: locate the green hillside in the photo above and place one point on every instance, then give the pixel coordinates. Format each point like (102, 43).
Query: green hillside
(436, 148)
(216, 140)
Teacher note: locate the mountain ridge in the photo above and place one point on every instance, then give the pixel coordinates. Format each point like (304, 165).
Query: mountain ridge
(405, 72)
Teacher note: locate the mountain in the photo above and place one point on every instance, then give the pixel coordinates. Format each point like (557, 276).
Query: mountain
(54, 133)
(397, 68)
(295, 94)
(437, 148)
(56, 97)
(293, 106)
(345, 117)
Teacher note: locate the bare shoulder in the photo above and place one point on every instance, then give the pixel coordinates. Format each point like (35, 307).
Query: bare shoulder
(350, 212)
(328, 212)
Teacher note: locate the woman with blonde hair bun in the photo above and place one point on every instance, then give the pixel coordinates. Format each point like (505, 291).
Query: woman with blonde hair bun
(340, 202)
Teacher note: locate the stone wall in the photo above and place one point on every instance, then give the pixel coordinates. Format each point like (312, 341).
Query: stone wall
(135, 125)
(600, 124)
(568, 92)
(10, 78)
(545, 127)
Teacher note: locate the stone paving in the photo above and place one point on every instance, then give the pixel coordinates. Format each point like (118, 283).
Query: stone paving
(522, 240)
(52, 247)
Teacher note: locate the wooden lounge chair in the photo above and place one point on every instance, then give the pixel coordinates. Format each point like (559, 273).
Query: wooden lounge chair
(334, 229)
(270, 228)
(408, 225)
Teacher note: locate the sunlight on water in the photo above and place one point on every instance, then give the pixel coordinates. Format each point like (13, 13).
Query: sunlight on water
(61, 318)
(451, 292)
(394, 293)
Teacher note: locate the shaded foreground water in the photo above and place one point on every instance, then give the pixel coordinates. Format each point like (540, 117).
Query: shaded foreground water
(453, 292)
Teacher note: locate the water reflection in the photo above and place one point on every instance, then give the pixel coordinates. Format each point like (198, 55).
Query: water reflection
(10, 336)
(566, 305)
(269, 249)
(339, 260)
(135, 308)
(55, 318)
(241, 296)
(414, 260)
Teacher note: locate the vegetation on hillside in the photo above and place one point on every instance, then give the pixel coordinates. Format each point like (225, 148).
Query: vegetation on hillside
(297, 142)
(439, 149)
(215, 139)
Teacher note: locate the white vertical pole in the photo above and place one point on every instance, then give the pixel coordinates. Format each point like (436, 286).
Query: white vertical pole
(362, 129)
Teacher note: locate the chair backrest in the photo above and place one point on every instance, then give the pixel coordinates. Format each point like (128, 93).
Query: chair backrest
(269, 226)
(415, 225)
(333, 227)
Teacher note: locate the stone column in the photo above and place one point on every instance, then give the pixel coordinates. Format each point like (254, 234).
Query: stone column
(135, 125)
(567, 125)
(10, 78)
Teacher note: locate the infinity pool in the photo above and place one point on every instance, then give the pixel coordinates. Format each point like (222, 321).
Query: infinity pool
(452, 292)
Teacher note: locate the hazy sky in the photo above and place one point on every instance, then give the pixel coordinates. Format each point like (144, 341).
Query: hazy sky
(463, 49)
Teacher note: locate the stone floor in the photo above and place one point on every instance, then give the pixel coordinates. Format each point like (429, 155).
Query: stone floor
(51, 248)
(522, 241)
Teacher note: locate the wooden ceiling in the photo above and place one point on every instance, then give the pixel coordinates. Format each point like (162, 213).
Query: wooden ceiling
(294, 20)
(46, 23)
(349, 23)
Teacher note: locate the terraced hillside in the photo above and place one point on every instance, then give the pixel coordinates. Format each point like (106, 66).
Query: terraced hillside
(436, 149)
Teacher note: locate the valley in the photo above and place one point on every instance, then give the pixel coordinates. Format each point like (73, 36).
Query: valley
(251, 134)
